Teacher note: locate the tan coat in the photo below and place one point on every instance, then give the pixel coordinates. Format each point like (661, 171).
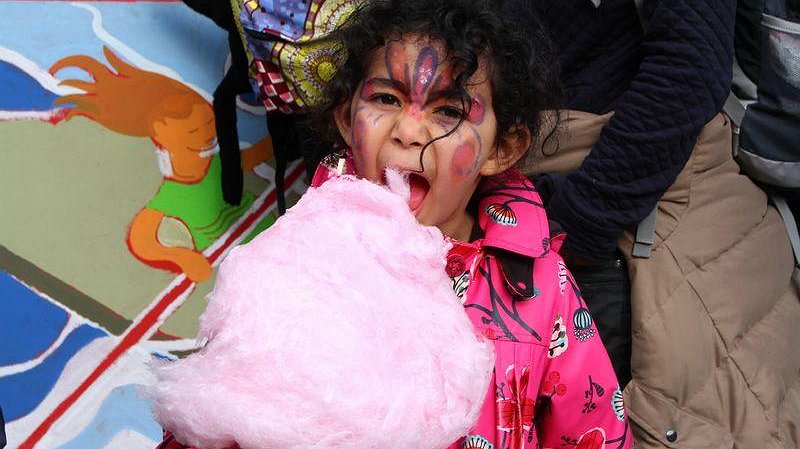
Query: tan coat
(715, 311)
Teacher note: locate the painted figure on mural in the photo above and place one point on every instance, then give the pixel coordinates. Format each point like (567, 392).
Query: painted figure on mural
(188, 213)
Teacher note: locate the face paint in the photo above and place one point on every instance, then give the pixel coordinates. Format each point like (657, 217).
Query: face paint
(443, 80)
(367, 90)
(375, 118)
(424, 69)
(412, 76)
(465, 160)
(477, 110)
(397, 62)
(358, 136)
(358, 129)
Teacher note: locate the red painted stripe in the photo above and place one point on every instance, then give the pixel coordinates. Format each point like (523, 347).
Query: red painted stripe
(137, 330)
(129, 339)
(271, 196)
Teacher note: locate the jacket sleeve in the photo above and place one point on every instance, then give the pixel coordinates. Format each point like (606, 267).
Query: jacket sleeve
(579, 398)
(682, 82)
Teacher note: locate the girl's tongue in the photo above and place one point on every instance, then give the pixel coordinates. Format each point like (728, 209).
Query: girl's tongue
(418, 187)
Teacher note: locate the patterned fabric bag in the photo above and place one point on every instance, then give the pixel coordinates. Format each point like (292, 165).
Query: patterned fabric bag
(288, 50)
(281, 50)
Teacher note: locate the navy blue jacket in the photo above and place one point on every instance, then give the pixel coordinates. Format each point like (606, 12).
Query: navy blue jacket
(663, 85)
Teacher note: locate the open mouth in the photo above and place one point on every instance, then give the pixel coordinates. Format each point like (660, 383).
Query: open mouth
(418, 190)
(400, 180)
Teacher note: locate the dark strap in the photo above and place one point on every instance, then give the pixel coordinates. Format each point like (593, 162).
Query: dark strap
(2, 430)
(234, 83)
(217, 10)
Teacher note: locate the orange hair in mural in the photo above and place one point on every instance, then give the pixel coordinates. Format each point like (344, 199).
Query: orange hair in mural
(187, 213)
(129, 101)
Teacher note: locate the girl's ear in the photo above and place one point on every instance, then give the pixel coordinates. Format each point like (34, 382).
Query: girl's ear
(342, 117)
(513, 144)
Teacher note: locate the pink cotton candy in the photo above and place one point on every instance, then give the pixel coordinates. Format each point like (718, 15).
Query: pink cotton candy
(335, 328)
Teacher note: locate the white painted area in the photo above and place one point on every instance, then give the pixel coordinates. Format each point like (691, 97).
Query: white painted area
(7, 116)
(265, 171)
(131, 368)
(128, 439)
(132, 55)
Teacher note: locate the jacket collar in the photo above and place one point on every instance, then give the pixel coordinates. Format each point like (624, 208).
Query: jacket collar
(511, 215)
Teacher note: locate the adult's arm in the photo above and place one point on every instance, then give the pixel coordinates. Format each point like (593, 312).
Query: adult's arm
(682, 82)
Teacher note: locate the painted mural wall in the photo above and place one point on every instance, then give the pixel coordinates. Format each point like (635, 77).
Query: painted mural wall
(111, 214)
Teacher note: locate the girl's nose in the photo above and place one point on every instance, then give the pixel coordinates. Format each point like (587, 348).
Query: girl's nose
(409, 130)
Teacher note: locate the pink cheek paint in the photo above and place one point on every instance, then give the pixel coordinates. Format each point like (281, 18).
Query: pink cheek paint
(477, 110)
(465, 160)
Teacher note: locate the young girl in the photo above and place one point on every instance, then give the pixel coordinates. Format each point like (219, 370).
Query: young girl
(449, 92)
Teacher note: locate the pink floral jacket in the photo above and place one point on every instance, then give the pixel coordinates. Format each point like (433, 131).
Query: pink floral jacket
(553, 385)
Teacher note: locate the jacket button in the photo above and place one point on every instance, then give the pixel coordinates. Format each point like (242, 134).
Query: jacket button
(672, 435)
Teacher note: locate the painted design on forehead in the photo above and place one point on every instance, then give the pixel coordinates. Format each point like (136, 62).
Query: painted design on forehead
(477, 110)
(397, 62)
(424, 69)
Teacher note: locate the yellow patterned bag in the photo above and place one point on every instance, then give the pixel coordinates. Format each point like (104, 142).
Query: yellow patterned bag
(288, 47)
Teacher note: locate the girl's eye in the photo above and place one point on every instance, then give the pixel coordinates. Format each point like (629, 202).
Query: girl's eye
(386, 99)
(450, 112)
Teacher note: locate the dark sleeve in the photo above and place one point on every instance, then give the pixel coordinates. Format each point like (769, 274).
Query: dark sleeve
(681, 84)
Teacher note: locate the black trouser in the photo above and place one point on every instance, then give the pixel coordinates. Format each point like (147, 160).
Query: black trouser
(607, 292)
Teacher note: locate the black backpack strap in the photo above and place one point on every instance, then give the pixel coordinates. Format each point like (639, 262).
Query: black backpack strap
(285, 148)
(217, 10)
(234, 83)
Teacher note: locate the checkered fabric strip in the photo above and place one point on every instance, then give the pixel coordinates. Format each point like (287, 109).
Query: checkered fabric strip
(276, 93)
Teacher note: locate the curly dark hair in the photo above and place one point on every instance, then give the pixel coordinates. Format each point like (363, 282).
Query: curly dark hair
(506, 33)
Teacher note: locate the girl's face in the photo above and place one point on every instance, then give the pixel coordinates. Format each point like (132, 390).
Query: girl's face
(401, 105)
